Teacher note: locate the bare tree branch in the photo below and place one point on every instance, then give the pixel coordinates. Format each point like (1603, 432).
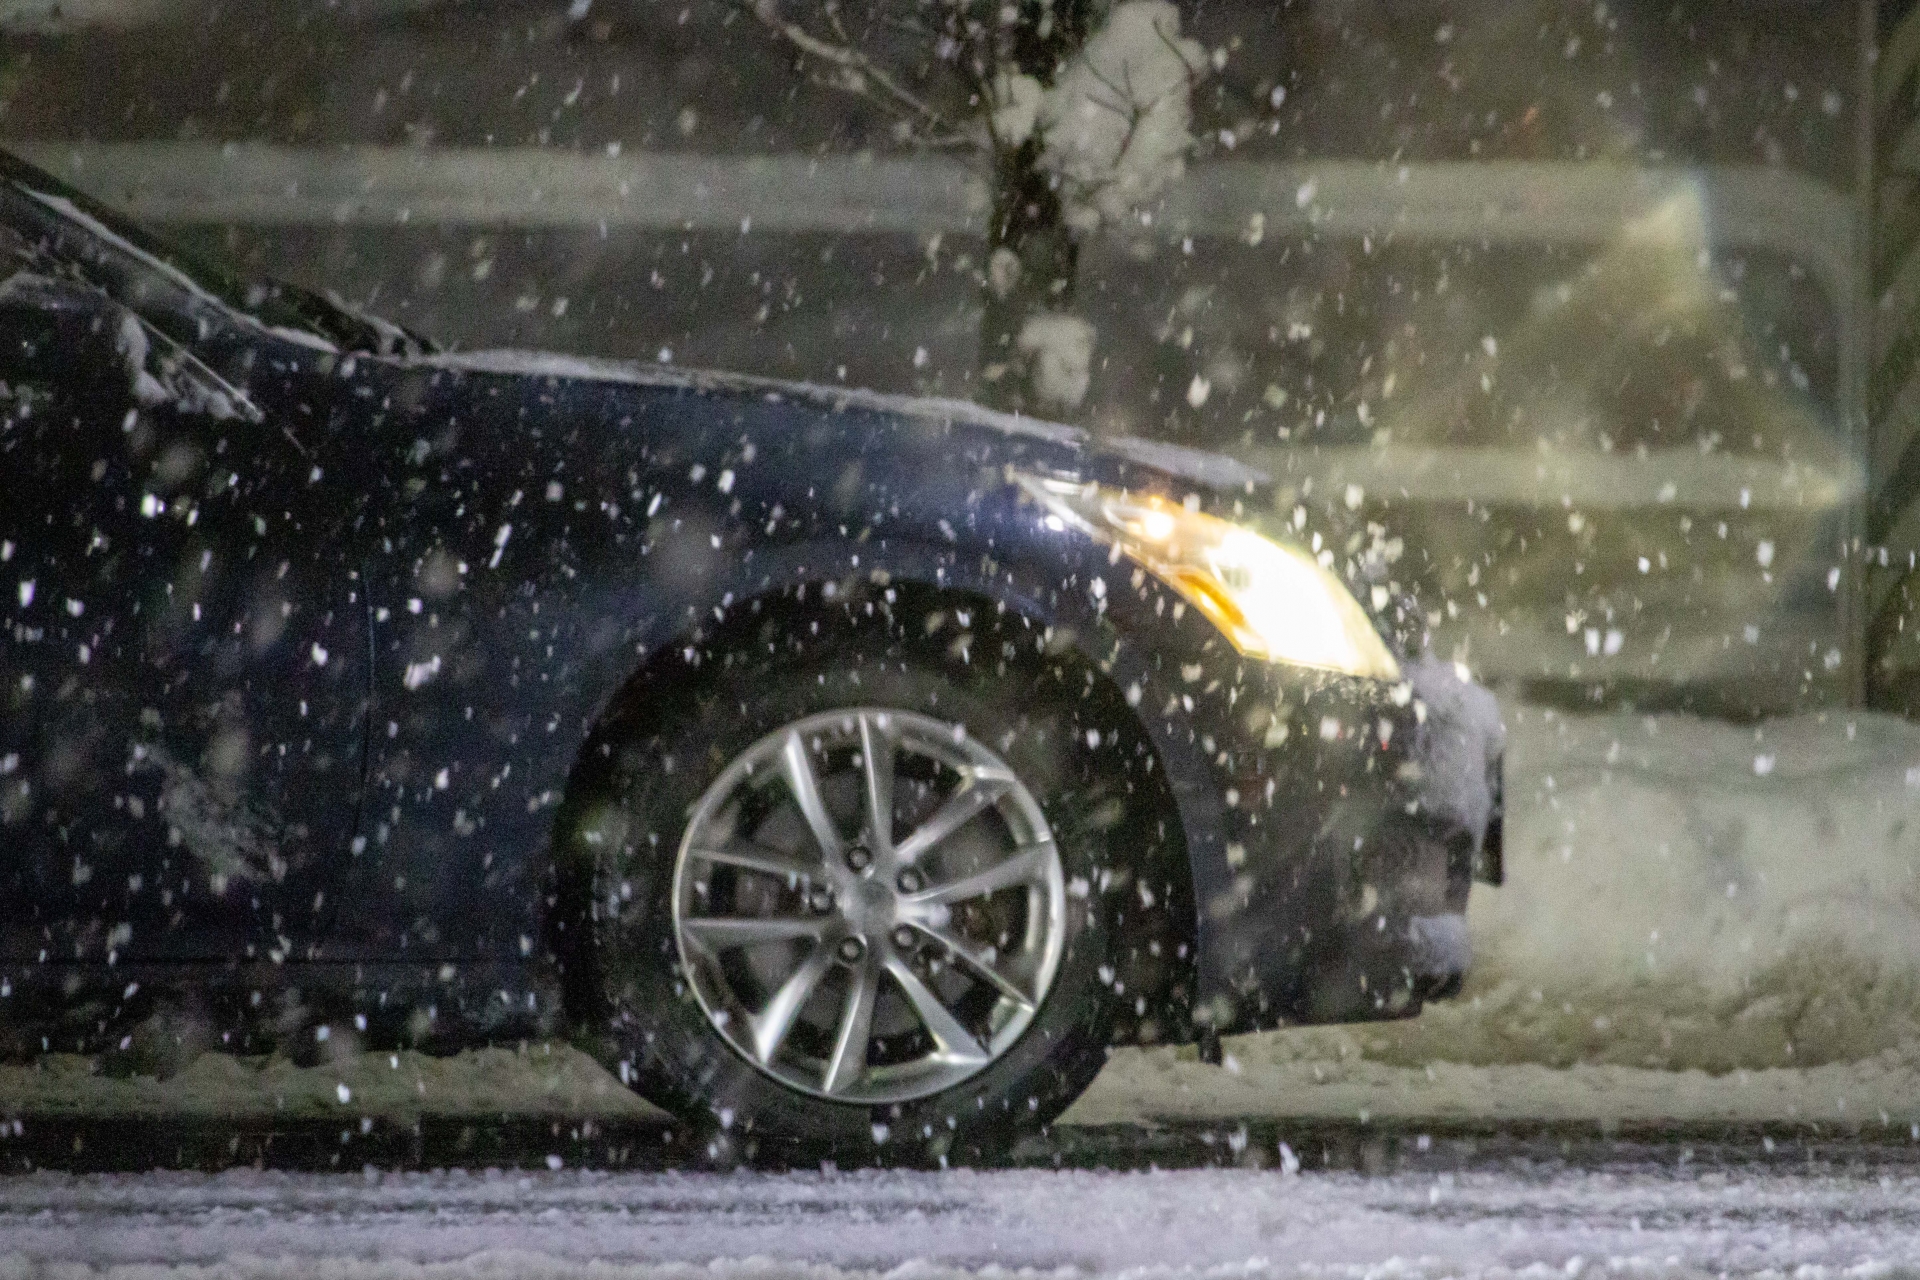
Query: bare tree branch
(1123, 103)
(833, 20)
(1128, 105)
(1194, 75)
(861, 75)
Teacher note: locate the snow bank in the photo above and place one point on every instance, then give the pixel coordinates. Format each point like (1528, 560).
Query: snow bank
(1688, 894)
(1327, 1077)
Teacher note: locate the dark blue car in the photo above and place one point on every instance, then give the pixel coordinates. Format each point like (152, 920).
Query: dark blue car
(832, 765)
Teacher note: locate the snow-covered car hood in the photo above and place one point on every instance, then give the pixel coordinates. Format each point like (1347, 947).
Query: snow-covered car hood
(1211, 469)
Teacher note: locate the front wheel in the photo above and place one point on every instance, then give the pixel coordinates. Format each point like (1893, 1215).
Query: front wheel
(847, 886)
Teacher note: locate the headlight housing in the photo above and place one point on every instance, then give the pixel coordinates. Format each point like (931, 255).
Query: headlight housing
(1273, 602)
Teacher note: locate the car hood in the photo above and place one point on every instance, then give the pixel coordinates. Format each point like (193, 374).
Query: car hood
(1212, 470)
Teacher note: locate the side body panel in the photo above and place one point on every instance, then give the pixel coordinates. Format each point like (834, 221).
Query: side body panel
(185, 667)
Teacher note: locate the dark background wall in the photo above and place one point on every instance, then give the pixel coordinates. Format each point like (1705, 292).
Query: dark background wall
(1319, 350)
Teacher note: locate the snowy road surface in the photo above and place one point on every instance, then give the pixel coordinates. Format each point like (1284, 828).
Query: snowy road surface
(1646, 1220)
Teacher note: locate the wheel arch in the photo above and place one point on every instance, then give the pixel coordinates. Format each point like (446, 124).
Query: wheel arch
(913, 589)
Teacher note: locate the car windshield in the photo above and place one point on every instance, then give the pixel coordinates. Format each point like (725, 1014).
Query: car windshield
(144, 260)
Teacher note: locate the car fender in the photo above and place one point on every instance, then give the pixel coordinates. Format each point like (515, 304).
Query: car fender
(1139, 652)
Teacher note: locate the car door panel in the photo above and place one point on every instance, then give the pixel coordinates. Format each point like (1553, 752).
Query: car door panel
(186, 667)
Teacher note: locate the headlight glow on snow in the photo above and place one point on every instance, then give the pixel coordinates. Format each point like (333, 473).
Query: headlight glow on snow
(1273, 602)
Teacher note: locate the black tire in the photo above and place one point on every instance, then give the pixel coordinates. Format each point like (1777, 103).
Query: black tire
(1063, 732)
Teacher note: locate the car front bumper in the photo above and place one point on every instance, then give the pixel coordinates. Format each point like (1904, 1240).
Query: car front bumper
(1356, 816)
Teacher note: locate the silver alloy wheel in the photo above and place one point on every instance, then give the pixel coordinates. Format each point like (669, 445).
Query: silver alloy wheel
(869, 905)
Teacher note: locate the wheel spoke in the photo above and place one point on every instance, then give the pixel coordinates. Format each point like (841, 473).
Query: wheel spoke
(849, 1060)
(797, 766)
(715, 934)
(876, 758)
(955, 1042)
(1027, 866)
(980, 790)
(750, 856)
(771, 1024)
(976, 963)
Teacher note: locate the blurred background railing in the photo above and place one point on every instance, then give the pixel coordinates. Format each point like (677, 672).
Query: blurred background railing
(1892, 148)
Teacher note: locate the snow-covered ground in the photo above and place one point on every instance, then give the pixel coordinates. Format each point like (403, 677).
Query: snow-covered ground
(1701, 922)
(1218, 1224)
(540, 1079)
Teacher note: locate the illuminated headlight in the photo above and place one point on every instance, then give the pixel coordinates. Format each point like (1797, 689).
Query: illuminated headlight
(1273, 602)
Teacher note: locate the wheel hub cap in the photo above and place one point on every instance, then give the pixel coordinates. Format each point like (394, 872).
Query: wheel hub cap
(869, 905)
(869, 908)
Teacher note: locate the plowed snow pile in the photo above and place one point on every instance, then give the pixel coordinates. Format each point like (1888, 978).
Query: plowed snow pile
(1700, 920)
(1683, 893)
